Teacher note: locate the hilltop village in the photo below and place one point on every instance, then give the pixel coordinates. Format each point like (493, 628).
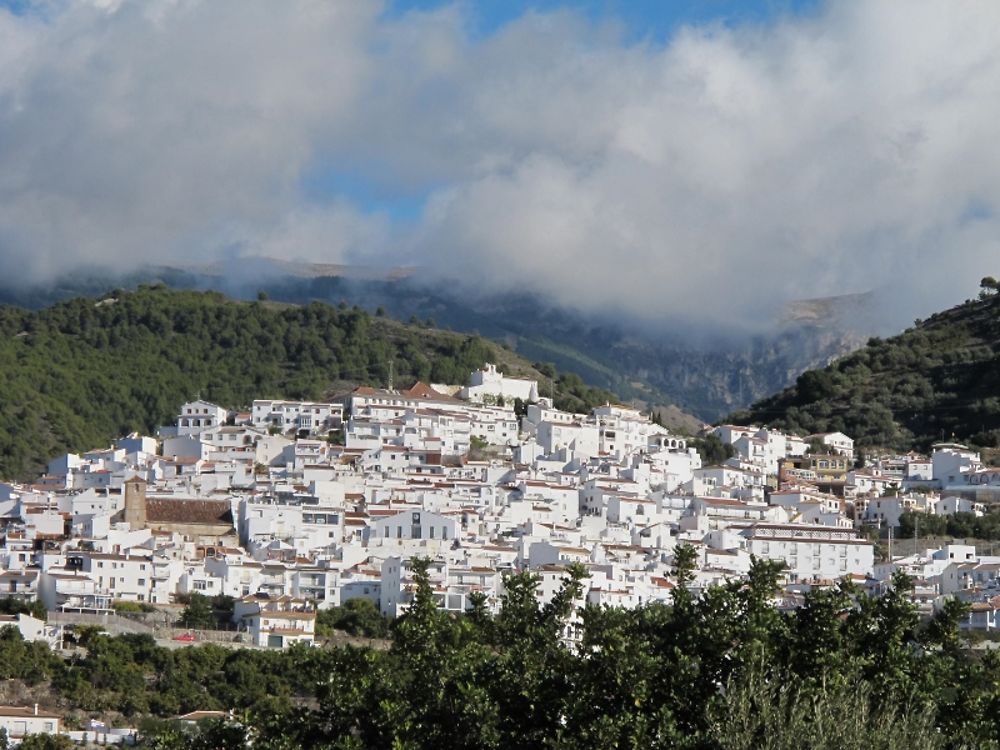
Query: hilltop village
(294, 506)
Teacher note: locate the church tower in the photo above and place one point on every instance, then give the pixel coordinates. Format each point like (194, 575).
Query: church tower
(135, 503)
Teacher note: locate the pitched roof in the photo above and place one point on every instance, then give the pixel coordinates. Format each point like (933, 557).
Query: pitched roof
(26, 712)
(169, 510)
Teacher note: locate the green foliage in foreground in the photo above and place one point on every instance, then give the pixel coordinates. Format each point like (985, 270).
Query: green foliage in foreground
(357, 617)
(46, 742)
(720, 671)
(937, 380)
(80, 373)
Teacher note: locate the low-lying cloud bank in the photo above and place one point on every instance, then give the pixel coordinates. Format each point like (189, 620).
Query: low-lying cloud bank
(725, 172)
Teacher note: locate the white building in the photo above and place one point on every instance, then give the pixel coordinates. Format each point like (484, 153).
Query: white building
(196, 416)
(489, 384)
(314, 417)
(812, 551)
(836, 442)
(579, 437)
(20, 721)
(33, 629)
(276, 622)
(951, 461)
(416, 525)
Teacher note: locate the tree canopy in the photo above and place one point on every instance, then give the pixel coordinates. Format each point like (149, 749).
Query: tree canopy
(720, 669)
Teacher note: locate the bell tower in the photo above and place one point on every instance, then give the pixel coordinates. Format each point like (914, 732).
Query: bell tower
(135, 503)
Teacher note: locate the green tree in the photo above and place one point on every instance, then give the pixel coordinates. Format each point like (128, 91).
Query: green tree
(46, 742)
(11, 606)
(358, 617)
(762, 711)
(684, 567)
(198, 613)
(711, 449)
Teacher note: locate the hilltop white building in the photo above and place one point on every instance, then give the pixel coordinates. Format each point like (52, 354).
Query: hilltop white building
(490, 382)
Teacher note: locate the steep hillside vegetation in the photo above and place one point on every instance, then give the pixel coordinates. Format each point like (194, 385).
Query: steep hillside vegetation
(77, 374)
(705, 377)
(937, 380)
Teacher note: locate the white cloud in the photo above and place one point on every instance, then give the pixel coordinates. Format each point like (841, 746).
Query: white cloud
(725, 172)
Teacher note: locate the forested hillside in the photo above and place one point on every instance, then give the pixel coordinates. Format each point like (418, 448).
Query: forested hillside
(78, 374)
(937, 380)
(664, 364)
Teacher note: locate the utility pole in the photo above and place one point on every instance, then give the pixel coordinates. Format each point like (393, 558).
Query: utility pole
(392, 363)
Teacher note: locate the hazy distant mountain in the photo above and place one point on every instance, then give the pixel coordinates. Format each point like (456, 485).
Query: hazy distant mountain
(706, 377)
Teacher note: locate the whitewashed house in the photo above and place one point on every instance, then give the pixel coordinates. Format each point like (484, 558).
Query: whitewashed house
(21, 721)
(811, 551)
(836, 442)
(416, 525)
(276, 622)
(491, 385)
(197, 416)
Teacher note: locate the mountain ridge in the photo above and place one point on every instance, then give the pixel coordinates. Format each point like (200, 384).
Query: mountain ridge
(937, 380)
(708, 379)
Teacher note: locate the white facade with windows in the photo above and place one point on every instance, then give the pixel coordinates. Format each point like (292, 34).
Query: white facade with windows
(312, 416)
(812, 551)
(197, 416)
(21, 721)
(416, 524)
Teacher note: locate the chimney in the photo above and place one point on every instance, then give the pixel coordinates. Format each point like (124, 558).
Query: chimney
(36, 709)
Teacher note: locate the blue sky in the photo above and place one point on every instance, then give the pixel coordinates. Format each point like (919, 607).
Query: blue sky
(654, 20)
